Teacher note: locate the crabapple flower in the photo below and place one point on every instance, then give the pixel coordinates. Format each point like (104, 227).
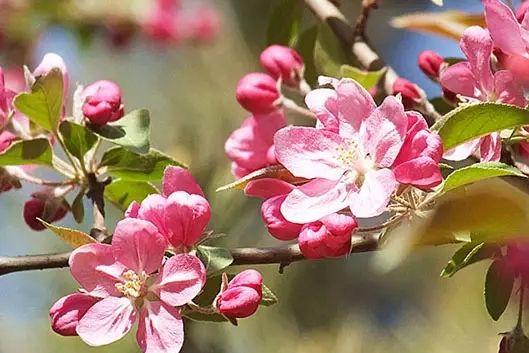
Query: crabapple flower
(102, 102)
(242, 296)
(328, 237)
(349, 162)
(67, 311)
(133, 283)
(257, 93)
(410, 92)
(283, 62)
(251, 147)
(431, 63)
(47, 208)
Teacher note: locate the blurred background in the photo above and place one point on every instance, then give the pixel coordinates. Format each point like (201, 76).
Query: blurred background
(334, 306)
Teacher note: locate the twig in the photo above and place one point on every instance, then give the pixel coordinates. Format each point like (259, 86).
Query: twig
(96, 190)
(361, 21)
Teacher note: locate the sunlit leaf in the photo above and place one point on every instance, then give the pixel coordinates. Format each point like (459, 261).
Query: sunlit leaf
(37, 151)
(215, 259)
(77, 138)
(122, 192)
(498, 288)
(329, 52)
(368, 79)
(468, 254)
(73, 237)
(78, 207)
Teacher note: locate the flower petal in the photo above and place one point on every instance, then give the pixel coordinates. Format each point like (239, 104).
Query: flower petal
(374, 194)
(462, 151)
(421, 172)
(477, 45)
(152, 209)
(323, 103)
(179, 179)
(508, 89)
(67, 311)
(490, 148)
(160, 329)
(459, 79)
(107, 321)
(355, 104)
(503, 27)
(267, 187)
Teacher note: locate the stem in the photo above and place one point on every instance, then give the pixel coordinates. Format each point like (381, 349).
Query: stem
(207, 311)
(67, 153)
(292, 106)
(38, 181)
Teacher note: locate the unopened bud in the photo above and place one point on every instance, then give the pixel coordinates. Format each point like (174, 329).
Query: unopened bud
(242, 296)
(283, 62)
(411, 94)
(257, 93)
(102, 102)
(431, 63)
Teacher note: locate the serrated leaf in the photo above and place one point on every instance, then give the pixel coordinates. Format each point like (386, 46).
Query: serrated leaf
(77, 138)
(73, 237)
(368, 79)
(131, 131)
(43, 105)
(285, 23)
(305, 48)
(215, 259)
(122, 192)
(78, 207)
(329, 52)
(125, 164)
(498, 288)
(468, 254)
(472, 121)
(275, 171)
(36, 151)
(269, 298)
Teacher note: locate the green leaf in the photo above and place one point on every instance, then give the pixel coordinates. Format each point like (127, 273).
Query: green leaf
(215, 259)
(476, 172)
(498, 288)
(77, 138)
(329, 52)
(131, 131)
(441, 105)
(122, 192)
(269, 298)
(205, 299)
(468, 254)
(73, 237)
(36, 151)
(125, 164)
(43, 105)
(472, 121)
(285, 23)
(368, 79)
(305, 47)
(78, 207)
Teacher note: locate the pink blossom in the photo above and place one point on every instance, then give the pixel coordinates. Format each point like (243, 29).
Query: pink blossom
(431, 63)
(251, 147)
(133, 283)
(521, 11)
(410, 92)
(67, 311)
(283, 62)
(275, 222)
(350, 162)
(205, 26)
(257, 93)
(6, 139)
(102, 102)
(162, 22)
(328, 237)
(48, 209)
(243, 295)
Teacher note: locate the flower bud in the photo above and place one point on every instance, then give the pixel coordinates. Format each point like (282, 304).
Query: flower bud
(430, 63)
(50, 210)
(206, 25)
(162, 23)
(257, 93)
(328, 237)
(410, 93)
(67, 311)
(102, 102)
(283, 62)
(274, 221)
(242, 296)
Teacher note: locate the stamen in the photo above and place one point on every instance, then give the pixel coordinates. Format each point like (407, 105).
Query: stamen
(132, 287)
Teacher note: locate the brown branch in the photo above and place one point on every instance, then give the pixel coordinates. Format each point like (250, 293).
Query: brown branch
(361, 21)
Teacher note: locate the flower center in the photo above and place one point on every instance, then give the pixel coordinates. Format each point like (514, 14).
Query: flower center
(351, 157)
(133, 286)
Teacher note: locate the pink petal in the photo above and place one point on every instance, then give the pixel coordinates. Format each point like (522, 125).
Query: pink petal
(179, 179)
(355, 104)
(374, 194)
(248, 278)
(107, 321)
(181, 279)
(152, 209)
(96, 269)
(275, 222)
(508, 89)
(186, 218)
(462, 151)
(138, 245)
(67, 311)
(504, 28)
(490, 148)
(267, 187)
(421, 172)
(323, 103)
(315, 200)
(239, 302)
(383, 132)
(160, 329)
(309, 153)
(459, 79)
(477, 46)
(132, 210)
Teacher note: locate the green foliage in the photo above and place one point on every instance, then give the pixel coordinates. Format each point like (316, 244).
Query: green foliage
(214, 258)
(285, 22)
(77, 138)
(368, 79)
(269, 298)
(73, 237)
(441, 105)
(329, 52)
(468, 254)
(43, 105)
(305, 47)
(205, 299)
(122, 192)
(498, 287)
(131, 131)
(78, 207)
(36, 151)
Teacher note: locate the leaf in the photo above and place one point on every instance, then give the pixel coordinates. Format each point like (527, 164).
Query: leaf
(450, 24)
(205, 299)
(468, 254)
(78, 207)
(476, 172)
(36, 151)
(275, 171)
(441, 105)
(498, 288)
(472, 121)
(131, 131)
(329, 52)
(305, 47)
(269, 298)
(368, 79)
(125, 164)
(214, 258)
(77, 138)
(122, 192)
(285, 23)
(73, 237)
(43, 105)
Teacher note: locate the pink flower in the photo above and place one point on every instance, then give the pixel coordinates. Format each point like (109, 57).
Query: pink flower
(243, 295)
(132, 283)
(67, 311)
(475, 80)
(418, 161)
(206, 25)
(283, 62)
(349, 162)
(431, 63)
(102, 102)
(49, 210)
(251, 147)
(410, 92)
(328, 237)
(162, 23)
(257, 93)
(521, 11)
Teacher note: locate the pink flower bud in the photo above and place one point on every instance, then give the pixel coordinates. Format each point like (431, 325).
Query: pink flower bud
(102, 102)
(206, 25)
(37, 208)
(430, 63)
(274, 221)
(67, 311)
(243, 295)
(410, 93)
(280, 61)
(328, 237)
(162, 23)
(257, 93)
